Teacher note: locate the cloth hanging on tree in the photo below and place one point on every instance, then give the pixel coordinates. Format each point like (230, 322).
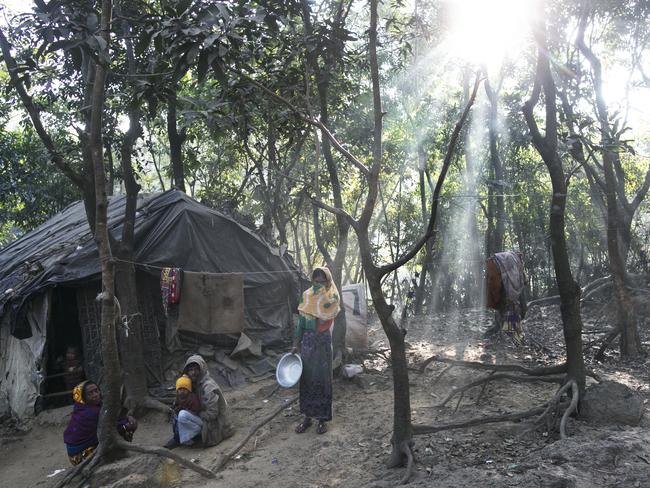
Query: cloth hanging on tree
(170, 287)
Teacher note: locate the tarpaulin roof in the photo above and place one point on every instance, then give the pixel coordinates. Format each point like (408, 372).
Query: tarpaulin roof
(171, 229)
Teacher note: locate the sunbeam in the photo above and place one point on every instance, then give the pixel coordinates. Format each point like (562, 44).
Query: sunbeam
(486, 32)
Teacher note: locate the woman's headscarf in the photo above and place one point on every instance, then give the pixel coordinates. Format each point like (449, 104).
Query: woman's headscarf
(323, 301)
(78, 393)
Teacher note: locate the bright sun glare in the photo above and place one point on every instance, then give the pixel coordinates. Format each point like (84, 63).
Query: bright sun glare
(487, 31)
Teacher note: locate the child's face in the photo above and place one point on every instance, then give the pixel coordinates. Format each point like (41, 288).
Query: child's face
(71, 354)
(182, 393)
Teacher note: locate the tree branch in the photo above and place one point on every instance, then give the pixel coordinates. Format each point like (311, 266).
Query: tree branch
(316, 123)
(334, 210)
(35, 115)
(529, 107)
(435, 198)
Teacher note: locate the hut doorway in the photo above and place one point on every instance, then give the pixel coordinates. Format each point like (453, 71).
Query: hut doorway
(64, 349)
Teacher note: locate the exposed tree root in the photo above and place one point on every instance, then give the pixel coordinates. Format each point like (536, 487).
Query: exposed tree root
(600, 355)
(575, 395)
(154, 404)
(405, 448)
(551, 413)
(555, 402)
(166, 453)
(419, 429)
(86, 467)
(73, 473)
(148, 402)
(500, 376)
(541, 302)
(548, 413)
(480, 395)
(223, 459)
(442, 373)
(549, 370)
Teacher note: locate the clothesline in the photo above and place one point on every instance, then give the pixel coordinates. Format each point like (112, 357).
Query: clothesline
(153, 266)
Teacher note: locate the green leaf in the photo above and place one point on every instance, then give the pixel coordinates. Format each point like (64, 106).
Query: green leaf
(182, 6)
(143, 42)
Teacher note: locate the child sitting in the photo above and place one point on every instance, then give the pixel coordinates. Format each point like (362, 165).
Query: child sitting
(187, 423)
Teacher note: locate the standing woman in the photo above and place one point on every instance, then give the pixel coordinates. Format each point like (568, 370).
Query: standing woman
(318, 307)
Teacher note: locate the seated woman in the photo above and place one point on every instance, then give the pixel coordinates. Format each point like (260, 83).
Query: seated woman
(80, 436)
(187, 408)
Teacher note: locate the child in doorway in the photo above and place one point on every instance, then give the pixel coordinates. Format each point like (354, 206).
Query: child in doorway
(73, 371)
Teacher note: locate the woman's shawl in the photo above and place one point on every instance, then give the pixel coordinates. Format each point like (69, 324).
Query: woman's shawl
(321, 302)
(82, 429)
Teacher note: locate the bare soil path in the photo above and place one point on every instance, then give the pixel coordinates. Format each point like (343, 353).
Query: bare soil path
(352, 452)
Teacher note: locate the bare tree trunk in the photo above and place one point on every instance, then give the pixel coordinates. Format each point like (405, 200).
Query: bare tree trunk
(176, 140)
(495, 241)
(156, 165)
(426, 259)
(630, 345)
(130, 343)
(111, 382)
(111, 168)
(547, 147)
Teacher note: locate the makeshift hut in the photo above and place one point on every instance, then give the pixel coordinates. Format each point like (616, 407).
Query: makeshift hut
(229, 278)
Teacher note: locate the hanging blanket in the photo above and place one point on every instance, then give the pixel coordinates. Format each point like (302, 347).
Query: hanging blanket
(212, 303)
(170, 287)
(512, 274)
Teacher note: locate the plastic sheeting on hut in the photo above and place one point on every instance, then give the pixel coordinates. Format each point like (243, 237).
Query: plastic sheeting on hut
(171, 230)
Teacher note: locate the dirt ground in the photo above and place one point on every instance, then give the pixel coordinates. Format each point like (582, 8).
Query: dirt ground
(352, 453)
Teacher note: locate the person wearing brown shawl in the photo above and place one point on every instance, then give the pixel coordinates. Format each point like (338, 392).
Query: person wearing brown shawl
(215, 413)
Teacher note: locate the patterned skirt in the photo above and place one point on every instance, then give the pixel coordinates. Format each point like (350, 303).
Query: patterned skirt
(316, 379)
(79, 456)
(511, 324)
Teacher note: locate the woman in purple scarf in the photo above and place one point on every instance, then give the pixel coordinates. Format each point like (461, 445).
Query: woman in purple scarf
(80, 436)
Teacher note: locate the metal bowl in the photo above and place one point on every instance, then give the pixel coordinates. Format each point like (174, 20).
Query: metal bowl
(289, 370)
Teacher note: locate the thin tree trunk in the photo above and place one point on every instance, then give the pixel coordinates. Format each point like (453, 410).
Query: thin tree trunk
(111, 168)
(130, 334)
(495, 241)
(176, 140)
(422, 278)
(111, 381)
(630, 345)
(547, 147)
